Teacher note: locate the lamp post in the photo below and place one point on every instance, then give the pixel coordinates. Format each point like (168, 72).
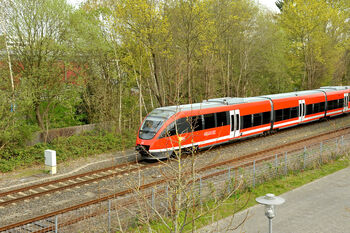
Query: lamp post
(269, 201)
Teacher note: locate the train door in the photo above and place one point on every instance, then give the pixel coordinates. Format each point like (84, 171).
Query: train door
(235, 123)
(302, 110)
(346, 102)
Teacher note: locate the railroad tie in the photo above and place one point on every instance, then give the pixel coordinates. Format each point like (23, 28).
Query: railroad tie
(11, 197)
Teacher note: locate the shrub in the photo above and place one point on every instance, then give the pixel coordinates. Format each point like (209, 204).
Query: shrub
(73, 147)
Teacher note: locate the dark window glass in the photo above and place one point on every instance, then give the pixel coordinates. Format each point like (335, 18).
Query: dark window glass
(293, 112)
(322, 106)
(330, 105)
(309, 109)
(209, 121)
(247, 121)
(196, 123)
(183, 125)
(266, 117)
(341, 103)
(169, 131)
(221, 118)
(336, 104)
(317, 108)
(279, 115)
(286, 113)
(257, 119)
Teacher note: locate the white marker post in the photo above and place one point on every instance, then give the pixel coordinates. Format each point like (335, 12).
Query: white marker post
(50, 161)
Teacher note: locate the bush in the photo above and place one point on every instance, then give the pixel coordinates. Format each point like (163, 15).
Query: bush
(73, 147)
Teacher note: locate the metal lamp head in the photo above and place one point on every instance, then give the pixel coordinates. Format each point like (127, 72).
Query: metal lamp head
(270, 200)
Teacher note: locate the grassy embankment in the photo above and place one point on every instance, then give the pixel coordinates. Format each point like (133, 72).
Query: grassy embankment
(66, 149)
(243, 200)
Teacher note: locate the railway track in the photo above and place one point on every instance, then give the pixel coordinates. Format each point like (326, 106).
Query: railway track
(46, 221)
(33, 191)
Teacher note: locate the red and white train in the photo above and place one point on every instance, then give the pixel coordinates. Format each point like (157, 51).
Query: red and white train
(215, 121)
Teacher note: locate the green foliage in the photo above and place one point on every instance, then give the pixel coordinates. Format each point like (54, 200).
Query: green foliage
(315, 40)
(66, 148)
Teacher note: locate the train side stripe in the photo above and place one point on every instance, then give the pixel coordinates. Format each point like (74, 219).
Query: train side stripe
(285, 123)
(330, 113)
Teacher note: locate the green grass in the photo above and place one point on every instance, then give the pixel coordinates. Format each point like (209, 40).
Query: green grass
(245, 199)
(67, 148)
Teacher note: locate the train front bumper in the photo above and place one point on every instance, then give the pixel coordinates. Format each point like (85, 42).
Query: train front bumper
(146, 154)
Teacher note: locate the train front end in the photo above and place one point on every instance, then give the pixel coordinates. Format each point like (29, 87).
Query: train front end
(147, 141)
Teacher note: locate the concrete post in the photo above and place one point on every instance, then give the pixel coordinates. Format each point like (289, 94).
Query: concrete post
(254, 174)
(56, 224)
(285, 163)
(229, 180)
(276, 164)
(153, 198)
(50, 161)
(109, 215)
(304, 155)
(321, 150)
(200, 190)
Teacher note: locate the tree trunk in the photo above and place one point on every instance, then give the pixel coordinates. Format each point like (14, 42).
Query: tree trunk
(156, 81)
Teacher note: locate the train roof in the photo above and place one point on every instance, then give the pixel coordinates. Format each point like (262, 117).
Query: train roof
(219, 102)
(291, 94)
(212, 103)
(334, 88)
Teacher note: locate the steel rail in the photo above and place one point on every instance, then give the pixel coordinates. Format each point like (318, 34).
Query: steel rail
(27, 188)
(71, 178)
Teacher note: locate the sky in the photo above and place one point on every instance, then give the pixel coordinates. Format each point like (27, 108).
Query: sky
(270, 4)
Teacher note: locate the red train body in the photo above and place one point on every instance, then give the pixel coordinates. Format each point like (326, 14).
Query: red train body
(215, 121)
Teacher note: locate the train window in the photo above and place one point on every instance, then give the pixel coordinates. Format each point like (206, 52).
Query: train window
(209, 121)
(317, 108)
(309, 109)
(329, 105)
(221, 118)
(286, 113)
(322, 106)
(341, 103)
(257, 118)
(247, 121)
(266, 117)
(335, 104)
(278, 115)
(183, 125)
(169, 131)
(196, 123)
(293, 112)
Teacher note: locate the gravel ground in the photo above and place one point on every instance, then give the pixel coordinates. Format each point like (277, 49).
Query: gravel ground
(59, 200)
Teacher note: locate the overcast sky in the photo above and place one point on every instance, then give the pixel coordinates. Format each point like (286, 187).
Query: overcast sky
(268, 3)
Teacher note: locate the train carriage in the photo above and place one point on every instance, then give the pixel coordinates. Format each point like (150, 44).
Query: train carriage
(337, 100)
(194, 126)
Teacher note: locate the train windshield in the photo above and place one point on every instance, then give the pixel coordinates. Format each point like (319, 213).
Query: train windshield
(153, 122)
